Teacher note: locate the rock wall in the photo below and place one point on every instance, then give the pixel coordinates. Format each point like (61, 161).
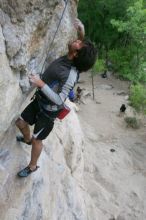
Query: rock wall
(54, 191)
(79, 178)
(26, 32)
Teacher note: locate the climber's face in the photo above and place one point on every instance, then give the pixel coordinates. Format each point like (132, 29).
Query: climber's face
(74, 47)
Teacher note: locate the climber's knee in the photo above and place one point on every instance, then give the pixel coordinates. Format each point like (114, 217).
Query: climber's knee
(20, 123)
(35, 141)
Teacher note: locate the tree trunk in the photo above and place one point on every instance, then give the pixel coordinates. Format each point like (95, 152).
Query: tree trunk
(92, 85)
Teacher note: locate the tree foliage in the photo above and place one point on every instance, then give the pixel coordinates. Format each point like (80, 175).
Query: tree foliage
(97, 16)
(134, 26)
(119, 30)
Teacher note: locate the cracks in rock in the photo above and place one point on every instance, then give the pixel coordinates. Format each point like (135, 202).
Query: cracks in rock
(2, 26)
(5, 43)
(32, 198)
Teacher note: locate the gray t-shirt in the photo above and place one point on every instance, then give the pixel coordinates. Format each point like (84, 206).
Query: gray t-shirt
(60, 77)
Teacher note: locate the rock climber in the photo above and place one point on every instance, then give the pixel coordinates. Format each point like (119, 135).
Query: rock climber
(49, 99)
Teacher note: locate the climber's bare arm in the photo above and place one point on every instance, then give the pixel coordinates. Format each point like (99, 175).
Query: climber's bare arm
(80, 29)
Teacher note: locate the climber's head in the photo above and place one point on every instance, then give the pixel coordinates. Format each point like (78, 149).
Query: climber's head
(83, 53)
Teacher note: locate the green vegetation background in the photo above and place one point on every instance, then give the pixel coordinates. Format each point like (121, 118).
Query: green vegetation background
(118, 29)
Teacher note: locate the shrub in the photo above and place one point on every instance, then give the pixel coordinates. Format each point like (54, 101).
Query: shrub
(99, 66)
(132, 122)
(137, 97)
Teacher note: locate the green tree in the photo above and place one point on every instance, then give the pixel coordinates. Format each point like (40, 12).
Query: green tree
(97, 15)
(134, 26)
(98, 67)
(119, 30)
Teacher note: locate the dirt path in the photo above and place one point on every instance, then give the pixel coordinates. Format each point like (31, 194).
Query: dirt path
(115, 181)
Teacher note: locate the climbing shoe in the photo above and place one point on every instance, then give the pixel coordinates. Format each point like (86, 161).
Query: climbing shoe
(20, 138)
(26, 171)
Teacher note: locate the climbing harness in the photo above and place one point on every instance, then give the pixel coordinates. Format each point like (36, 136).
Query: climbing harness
(62, 113)
(66, 2)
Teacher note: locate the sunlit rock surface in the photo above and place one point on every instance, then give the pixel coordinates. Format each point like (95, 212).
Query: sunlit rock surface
(56, 190)
(79, 178)
(27, 29)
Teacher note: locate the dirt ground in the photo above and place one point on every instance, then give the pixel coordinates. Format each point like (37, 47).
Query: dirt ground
(114, 155)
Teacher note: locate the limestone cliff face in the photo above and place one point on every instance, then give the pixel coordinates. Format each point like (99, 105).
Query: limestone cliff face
(26, 32)
(55, 191)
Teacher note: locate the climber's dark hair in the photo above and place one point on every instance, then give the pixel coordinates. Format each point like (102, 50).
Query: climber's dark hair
(86, 56)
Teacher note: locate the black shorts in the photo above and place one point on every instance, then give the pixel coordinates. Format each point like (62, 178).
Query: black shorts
(42, 121)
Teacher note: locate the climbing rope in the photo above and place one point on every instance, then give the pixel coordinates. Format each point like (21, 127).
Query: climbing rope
(66, 2)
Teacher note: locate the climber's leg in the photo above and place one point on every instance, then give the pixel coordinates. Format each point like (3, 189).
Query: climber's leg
(25, 130)
(28, 117)
(43, 127)
(35, 153)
